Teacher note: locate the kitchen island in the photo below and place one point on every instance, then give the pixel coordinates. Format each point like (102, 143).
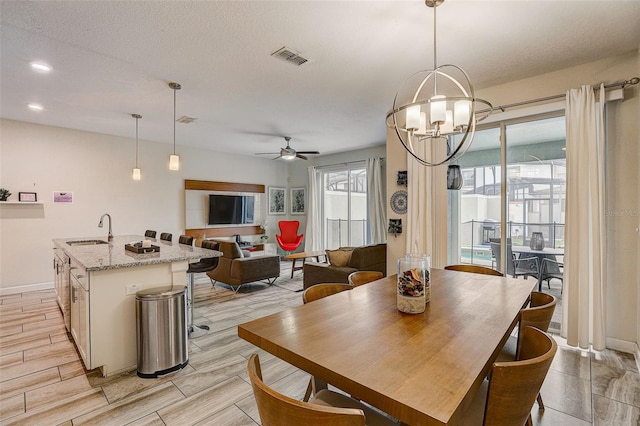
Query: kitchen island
(103, 280)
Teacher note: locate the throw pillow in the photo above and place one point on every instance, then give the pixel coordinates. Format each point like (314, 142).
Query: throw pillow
(339, 257)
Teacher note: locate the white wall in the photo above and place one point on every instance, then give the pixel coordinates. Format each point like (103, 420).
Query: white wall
(97, 169)
(623, 155)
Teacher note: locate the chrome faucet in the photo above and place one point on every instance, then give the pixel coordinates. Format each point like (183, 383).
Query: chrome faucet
(110, 237)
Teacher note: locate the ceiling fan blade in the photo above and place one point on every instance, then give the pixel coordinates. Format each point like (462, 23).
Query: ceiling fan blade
(266, 153)
(275, 158)
(308, 152)
(301, 156)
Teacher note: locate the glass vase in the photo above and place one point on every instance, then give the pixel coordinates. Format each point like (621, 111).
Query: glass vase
(414, 290)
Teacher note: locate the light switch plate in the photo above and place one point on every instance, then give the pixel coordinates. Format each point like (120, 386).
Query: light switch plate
(132, 289)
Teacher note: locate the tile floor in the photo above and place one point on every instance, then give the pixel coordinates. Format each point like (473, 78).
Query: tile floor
(43, 382)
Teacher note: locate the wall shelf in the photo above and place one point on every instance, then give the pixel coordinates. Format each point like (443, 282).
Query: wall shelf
(19, 203)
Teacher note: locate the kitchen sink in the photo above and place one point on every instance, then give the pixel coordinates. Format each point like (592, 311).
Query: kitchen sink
(86, 242)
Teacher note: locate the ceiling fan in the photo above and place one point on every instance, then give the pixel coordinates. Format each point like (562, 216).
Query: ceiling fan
(289, 153)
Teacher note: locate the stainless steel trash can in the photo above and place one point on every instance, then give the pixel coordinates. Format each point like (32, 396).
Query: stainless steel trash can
(161, 329)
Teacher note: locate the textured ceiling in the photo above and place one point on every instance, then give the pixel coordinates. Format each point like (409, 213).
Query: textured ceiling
(114, 58)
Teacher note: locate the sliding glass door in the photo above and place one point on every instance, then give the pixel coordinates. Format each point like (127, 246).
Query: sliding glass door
(535, 189)
(344, 210)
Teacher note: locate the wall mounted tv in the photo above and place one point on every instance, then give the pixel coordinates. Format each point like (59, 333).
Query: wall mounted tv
(230, 209)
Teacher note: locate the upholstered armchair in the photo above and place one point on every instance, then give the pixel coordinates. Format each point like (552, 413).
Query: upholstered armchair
(235, 269)
(289, 240)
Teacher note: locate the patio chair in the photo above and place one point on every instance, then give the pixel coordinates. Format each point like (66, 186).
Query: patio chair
(520, 267)
(552, 269)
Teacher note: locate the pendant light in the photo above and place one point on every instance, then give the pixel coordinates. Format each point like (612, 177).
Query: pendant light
(136, 170)
(433, 105)
(174, 160)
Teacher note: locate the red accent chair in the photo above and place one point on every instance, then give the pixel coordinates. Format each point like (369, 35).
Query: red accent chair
(289, 240)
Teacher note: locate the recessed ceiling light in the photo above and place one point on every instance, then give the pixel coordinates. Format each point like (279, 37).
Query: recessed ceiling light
(35, 107)
(41, 66)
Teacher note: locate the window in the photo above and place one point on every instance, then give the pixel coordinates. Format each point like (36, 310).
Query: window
(344, 195)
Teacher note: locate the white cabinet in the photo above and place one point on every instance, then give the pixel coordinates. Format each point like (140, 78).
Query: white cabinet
(61, 283)
(80, 312)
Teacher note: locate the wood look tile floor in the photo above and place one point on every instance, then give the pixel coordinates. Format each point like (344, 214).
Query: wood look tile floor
(43, 381)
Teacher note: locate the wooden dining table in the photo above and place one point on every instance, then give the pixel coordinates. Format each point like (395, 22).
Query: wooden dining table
(423, 369)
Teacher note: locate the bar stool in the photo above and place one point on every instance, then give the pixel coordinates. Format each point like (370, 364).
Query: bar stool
(204, 265)
(166, 236)
(149, 233)
(186, 240)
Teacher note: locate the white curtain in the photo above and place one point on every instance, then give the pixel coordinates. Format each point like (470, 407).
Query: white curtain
(313, 233)
(375, 201)
(583, 320)
(426, 228)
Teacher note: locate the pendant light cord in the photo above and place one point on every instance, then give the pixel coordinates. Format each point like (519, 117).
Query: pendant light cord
(435, 52)
(136, 142)
(174, 121)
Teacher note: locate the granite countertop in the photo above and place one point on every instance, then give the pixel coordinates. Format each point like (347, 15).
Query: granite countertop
(100, 257)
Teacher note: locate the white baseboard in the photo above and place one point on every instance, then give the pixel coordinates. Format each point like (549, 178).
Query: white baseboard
(622, 346)
(24, 288)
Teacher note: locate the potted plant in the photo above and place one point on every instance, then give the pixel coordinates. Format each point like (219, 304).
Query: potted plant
(4, 194)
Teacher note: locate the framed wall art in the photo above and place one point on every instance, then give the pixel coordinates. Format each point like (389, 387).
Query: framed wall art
(277, 200)
(297, 200)
(29, 197)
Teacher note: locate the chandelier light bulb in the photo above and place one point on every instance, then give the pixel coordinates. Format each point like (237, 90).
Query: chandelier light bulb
(413, 117)
(461, 113)
(438, 109)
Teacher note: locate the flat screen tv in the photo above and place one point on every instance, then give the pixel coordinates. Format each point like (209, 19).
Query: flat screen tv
(230, 209)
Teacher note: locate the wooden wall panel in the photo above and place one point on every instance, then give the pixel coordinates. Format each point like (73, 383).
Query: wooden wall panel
(206, 185)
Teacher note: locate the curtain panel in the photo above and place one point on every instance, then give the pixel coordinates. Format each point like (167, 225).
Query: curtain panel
(583, 319)
(375, 201)
(313, 232)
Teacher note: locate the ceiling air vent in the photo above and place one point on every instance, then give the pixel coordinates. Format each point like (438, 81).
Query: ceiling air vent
(186, 120)
(289, 55)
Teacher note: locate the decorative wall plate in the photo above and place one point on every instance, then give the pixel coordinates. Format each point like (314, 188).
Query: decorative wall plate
(399, 202)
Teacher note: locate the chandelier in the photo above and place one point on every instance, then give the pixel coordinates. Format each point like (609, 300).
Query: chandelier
(437, 106)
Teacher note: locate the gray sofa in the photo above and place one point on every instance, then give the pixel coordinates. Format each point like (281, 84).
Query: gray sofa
(365, 258)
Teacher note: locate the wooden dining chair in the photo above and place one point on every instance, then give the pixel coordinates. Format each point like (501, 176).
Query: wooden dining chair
(363, 277)
(326, 408)
(166, 236)
(476, 269)
(319, 291)
(538, 315)
(508, 396)
(315, 292)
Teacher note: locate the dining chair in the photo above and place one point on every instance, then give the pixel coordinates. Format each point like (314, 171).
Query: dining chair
(325, 408)
(552, 269)
(476, 269)
(319, 291)
(538, 315)
(186, 240)
(149, 233)
(363, 277)
(520, 267)
(315, 292)
(508, 396)
(166, 236)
